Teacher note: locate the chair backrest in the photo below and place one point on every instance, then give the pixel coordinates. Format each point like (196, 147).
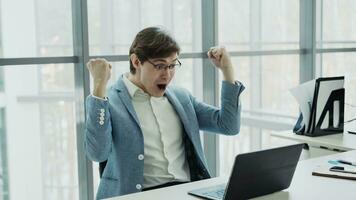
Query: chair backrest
(102, 167)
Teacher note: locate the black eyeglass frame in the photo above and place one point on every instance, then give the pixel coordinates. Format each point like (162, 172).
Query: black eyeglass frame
(160, 67)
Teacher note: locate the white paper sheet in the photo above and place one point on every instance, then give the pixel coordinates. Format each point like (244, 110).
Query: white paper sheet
(304, 94)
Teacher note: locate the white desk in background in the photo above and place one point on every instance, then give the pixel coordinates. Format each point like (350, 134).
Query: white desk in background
(335, 142)
(304, 186)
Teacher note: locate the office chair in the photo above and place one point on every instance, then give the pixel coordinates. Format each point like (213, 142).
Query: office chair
(102, 167)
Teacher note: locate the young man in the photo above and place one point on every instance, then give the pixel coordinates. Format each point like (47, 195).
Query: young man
(147, 131)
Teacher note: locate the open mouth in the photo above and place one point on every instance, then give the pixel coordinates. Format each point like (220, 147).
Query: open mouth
(162, 86)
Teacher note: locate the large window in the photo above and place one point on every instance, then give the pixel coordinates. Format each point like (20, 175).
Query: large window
(343, 64)
(38, 139)
(4, 175)
(336, 41)
(260, 25)
(43, 79)
(40, 126)
(336, 23)
(36, 28)
(274, 25)
(114, 23)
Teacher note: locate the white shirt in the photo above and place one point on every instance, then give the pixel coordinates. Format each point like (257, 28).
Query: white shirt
(164, 152)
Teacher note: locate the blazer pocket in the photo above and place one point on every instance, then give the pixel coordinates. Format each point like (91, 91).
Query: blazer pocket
(110, 178)
(108, 187)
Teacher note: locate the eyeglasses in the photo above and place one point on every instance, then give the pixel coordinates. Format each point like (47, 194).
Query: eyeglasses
(161, 67)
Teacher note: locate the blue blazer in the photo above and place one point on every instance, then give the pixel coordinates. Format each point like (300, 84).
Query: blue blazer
(113, 133)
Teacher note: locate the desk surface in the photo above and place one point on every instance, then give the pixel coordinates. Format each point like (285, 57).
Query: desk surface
(344, 141)
(304, 185)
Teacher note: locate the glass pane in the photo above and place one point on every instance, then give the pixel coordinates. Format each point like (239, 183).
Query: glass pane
(57, 78)
(189, 76)
(267, 80)
(335, 20)
(342, 64)
(4, 167)
(280, 24)
(279, 74)
(2, 80)
(113, 24)
(234, 34)
(36, 28)
(230, 147)
(259, 25)
(41, 153)
(266, 100)
(1, 42)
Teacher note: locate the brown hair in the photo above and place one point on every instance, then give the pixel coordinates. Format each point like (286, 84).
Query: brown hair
(152, 42)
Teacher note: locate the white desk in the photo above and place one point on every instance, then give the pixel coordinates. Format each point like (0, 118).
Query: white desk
(304, 185)
(335, 142)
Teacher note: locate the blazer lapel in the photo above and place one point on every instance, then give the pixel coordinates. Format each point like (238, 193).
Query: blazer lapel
(125, 98)
(181, 113)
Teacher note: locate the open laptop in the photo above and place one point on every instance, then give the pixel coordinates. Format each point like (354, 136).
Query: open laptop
(256, 173)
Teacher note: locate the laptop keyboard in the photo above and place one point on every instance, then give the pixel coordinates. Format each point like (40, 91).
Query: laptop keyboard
(215, 193)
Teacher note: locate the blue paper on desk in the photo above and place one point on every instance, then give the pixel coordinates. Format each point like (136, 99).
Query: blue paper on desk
(321, 103)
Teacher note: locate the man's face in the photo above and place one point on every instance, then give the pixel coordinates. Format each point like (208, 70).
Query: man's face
(154, 75)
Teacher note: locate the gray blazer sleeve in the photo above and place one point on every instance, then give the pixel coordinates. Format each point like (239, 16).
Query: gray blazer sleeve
(98, 136)
(225, 120)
